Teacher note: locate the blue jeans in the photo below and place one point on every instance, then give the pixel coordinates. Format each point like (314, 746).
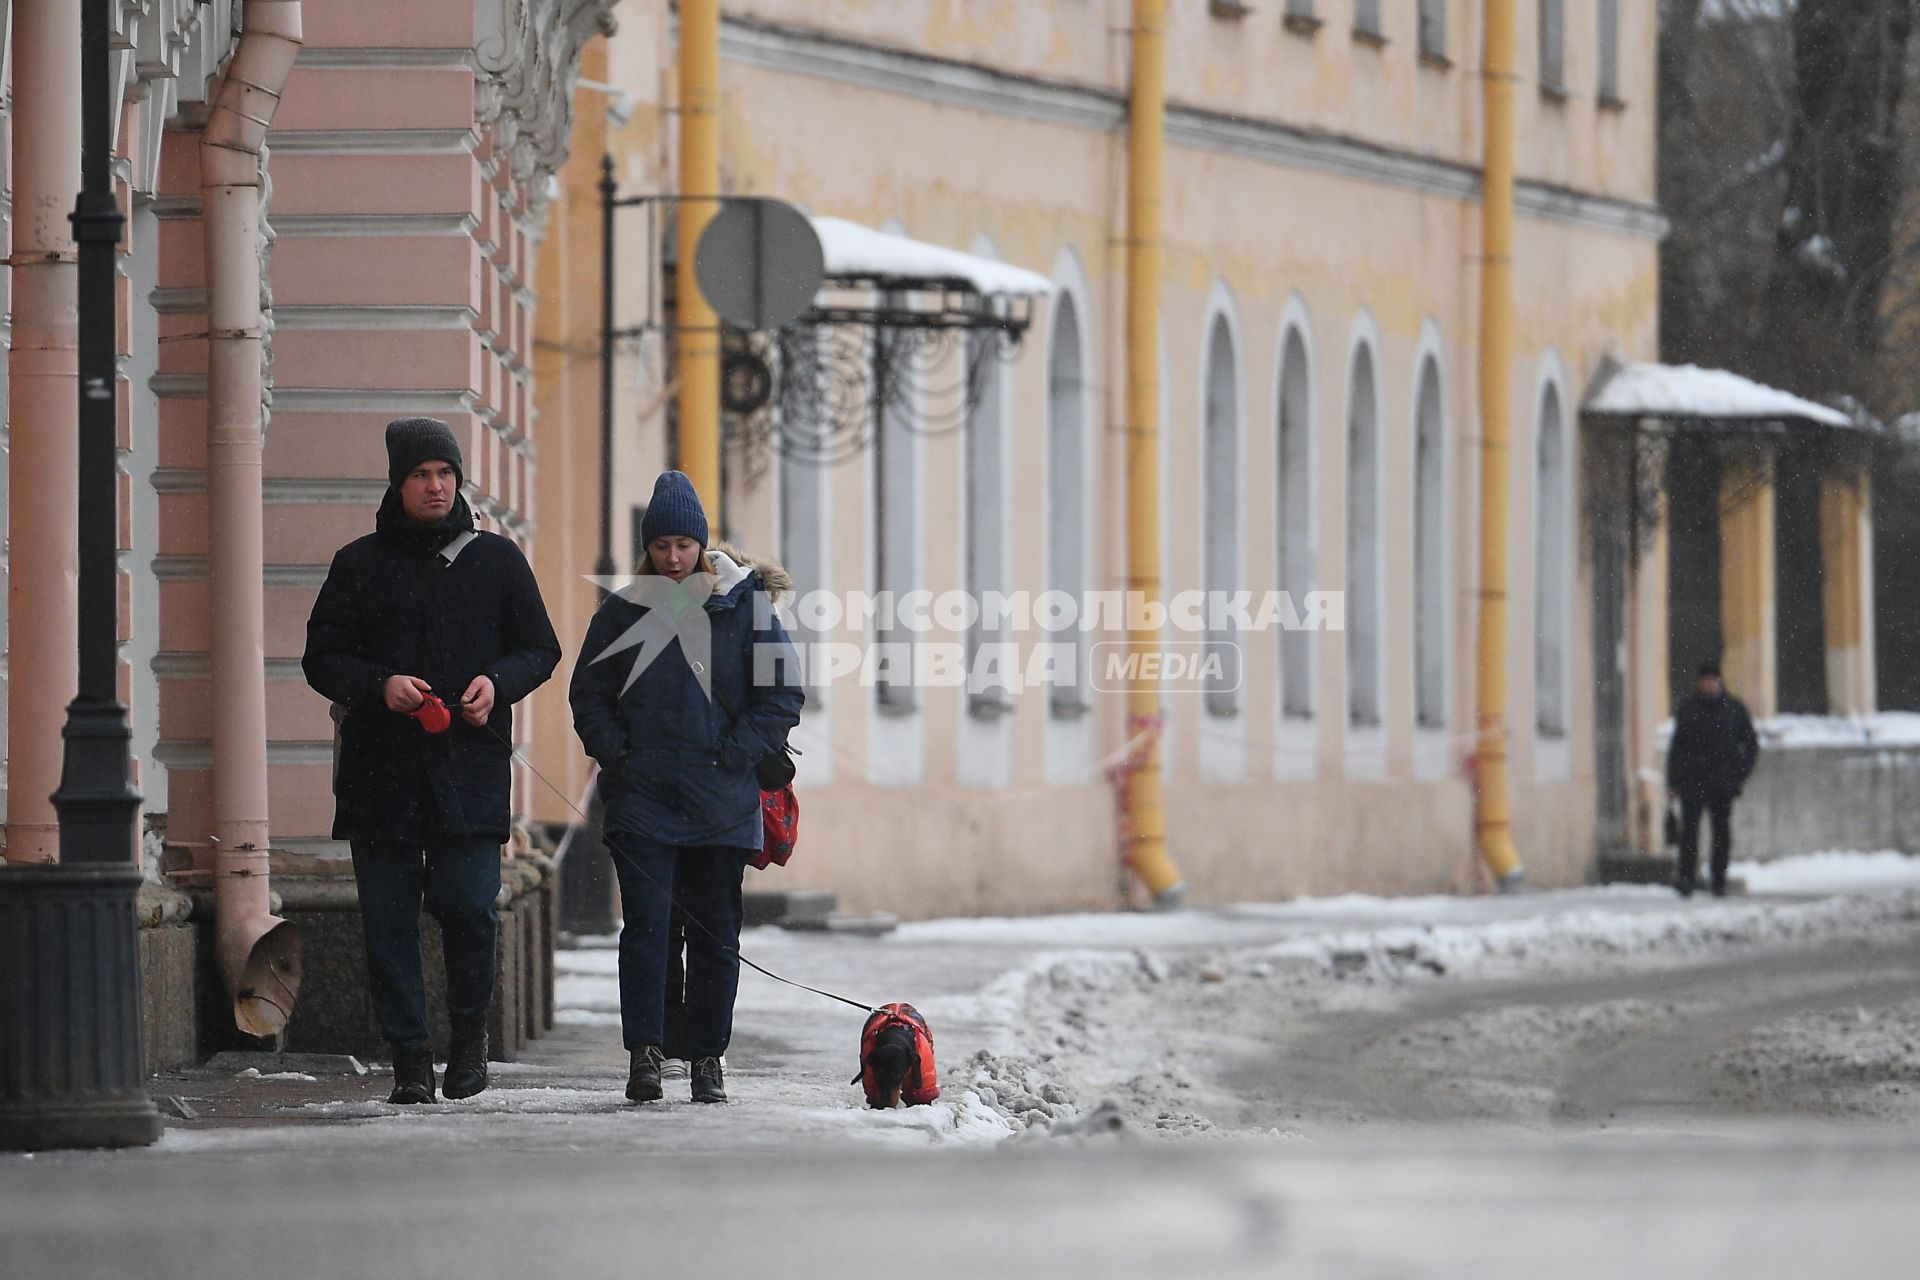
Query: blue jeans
(456, 879)
(705, 880)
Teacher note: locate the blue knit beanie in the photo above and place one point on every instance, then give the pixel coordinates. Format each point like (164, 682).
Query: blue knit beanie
(675, 509)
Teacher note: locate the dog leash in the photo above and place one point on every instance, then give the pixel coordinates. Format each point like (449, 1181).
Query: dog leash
(685, 915)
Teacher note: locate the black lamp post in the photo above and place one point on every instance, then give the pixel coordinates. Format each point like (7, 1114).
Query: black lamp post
(604, 565)
(71, 1069)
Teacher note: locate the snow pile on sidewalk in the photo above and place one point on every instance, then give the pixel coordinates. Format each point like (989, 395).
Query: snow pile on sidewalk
(1573, 940)
(1043, 1005)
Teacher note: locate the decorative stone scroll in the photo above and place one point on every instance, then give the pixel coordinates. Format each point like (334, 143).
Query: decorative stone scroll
(164, 54)
(529, 56)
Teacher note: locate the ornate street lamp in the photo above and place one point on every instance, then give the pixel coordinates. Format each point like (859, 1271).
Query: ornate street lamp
(71, 1068)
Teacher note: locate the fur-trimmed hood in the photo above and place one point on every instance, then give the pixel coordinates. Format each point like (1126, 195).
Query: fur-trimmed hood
(768, 575)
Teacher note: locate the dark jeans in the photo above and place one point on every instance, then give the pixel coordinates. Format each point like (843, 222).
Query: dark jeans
(456, 879)
(705, 880)
(1720, 810)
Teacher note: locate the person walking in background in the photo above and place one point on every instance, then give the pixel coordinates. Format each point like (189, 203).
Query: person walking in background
(1712, 754)
(685, 682)
(424, 616)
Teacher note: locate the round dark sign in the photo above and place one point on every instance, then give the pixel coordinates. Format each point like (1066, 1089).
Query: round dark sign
(759, 263)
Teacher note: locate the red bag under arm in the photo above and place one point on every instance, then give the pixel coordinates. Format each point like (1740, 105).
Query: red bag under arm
(780, 822)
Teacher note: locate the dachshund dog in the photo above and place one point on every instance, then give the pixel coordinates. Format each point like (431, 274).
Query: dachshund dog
(896, 1058)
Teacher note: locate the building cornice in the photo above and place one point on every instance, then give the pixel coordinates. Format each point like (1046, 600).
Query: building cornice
(974, 88)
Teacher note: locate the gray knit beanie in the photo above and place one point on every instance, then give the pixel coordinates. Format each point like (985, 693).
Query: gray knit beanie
(412, 441)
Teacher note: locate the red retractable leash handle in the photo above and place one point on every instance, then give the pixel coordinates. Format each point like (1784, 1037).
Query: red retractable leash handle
(432, 714)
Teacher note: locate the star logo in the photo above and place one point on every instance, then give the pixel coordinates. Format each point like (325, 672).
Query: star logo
(674, 611)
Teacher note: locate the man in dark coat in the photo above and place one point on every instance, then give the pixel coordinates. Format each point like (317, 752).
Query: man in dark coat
(1710, 758)
(427, 606)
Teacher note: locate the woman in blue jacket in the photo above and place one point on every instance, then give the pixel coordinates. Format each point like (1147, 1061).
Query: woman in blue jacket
(685, 681)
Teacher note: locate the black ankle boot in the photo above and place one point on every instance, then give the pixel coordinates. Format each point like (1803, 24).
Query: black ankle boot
(412, 1076)
(643, 1081)
(466, 1063)
(709, 1080)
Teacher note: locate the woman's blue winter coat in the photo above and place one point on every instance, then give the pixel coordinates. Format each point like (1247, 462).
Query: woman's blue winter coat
(677, 766)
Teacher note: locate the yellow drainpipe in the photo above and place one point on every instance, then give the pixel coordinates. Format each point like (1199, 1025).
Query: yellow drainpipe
(1494, 810)
(1144, 816)
(698, 339)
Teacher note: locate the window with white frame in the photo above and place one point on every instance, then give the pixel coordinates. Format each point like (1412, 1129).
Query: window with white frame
(896, 507)
(1296, 522)
(986, 482)
(1429, 551)
(1553, 48)
(1221, 446)
(1363, 544)
(1608, 88)
(1066, 491)
(1550, 570)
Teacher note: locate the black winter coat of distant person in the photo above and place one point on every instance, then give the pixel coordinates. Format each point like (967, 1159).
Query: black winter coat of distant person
(393, 604)
(1714, 748)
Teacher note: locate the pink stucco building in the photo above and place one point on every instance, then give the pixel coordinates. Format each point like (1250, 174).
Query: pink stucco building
(405, 176)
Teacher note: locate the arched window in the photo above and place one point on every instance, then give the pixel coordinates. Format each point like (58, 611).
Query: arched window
(1363, 545)
(1222, 511)
(803, 527)
(1608, 86)
(1433, 29)
(1553, 48)
(1550, 571)
(1429, 551)
(986, 515)
(1066, 487)
(1296, 522)
(897, 507)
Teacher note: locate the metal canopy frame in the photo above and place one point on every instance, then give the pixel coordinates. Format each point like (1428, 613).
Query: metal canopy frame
(900, 302)
(1652, 438)
(910, 351)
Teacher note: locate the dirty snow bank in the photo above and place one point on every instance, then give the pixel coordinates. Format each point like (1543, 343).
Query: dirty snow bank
(1860, 1061)
(1031, 1080)
(1574, 940)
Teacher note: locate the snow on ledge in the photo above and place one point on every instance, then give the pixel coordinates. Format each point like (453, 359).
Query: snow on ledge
(853, 250)
(1833, 872)
(1645, 390)
(1886, 729)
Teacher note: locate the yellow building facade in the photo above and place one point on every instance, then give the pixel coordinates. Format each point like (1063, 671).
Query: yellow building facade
(1319, 329)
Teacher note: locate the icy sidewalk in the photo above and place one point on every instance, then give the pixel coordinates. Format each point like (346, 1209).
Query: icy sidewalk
(1002, 995)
